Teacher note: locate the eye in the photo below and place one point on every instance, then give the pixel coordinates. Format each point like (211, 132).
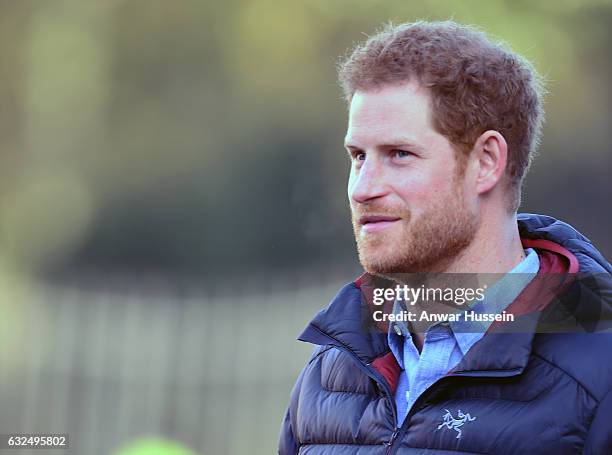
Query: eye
(402, 153)
(357, 155)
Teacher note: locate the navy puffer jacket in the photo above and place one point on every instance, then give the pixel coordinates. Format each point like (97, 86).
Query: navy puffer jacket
(531, 392)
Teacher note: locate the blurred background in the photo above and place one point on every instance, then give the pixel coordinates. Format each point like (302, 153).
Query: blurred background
(173, 208)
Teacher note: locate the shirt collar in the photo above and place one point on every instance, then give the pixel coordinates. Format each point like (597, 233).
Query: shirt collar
(496, 299)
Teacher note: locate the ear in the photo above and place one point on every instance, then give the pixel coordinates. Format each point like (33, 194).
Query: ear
(491, 155)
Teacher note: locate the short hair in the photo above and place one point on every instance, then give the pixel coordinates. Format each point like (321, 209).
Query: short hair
(475, 85)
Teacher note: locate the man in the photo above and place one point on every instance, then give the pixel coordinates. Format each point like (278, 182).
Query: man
(442, 127)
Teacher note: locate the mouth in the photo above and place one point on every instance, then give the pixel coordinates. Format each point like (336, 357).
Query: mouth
(373, 223)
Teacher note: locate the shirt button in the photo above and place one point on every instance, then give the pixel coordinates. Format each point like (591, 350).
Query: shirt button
(397, 329)
(407, 396)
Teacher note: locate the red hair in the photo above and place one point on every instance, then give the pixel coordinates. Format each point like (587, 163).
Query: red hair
(475, 85)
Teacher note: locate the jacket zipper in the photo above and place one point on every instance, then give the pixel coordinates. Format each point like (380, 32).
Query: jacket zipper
(402, 429)
(370, 372)
(392, 440)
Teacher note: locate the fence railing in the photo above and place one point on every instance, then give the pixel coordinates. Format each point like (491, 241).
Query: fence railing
(212, 372)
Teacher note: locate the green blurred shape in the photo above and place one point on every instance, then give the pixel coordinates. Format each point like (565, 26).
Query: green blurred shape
(154, 446)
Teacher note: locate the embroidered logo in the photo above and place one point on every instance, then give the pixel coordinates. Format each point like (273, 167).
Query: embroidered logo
(451, 423)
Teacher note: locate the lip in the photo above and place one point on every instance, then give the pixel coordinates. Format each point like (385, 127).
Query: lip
(372, 223)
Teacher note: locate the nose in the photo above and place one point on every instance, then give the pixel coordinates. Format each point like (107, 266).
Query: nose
(368, 182)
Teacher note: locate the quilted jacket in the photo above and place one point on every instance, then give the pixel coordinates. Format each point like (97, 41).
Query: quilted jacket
(546, 389)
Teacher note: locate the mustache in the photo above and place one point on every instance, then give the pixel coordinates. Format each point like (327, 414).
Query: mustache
(378, 210)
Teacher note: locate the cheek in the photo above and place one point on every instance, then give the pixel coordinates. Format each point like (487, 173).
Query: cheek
(418, 185)
(424, 189)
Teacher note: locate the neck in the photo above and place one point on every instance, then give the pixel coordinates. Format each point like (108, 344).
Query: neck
(496, 248)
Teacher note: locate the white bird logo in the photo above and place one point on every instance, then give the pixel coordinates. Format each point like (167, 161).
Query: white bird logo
(451, 423)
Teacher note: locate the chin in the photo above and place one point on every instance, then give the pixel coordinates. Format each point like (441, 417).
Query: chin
(378, 263)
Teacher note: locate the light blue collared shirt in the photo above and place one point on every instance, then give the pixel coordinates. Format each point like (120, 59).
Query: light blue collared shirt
(447, 343)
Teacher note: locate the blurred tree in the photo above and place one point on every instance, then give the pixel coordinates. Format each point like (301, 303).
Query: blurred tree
(206, 138)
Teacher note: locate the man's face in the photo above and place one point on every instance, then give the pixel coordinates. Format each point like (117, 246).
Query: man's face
(409, 207)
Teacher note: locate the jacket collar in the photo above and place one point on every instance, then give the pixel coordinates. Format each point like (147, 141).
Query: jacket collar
(342, 324)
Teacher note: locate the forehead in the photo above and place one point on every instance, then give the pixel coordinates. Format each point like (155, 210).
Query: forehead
(387, 112)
